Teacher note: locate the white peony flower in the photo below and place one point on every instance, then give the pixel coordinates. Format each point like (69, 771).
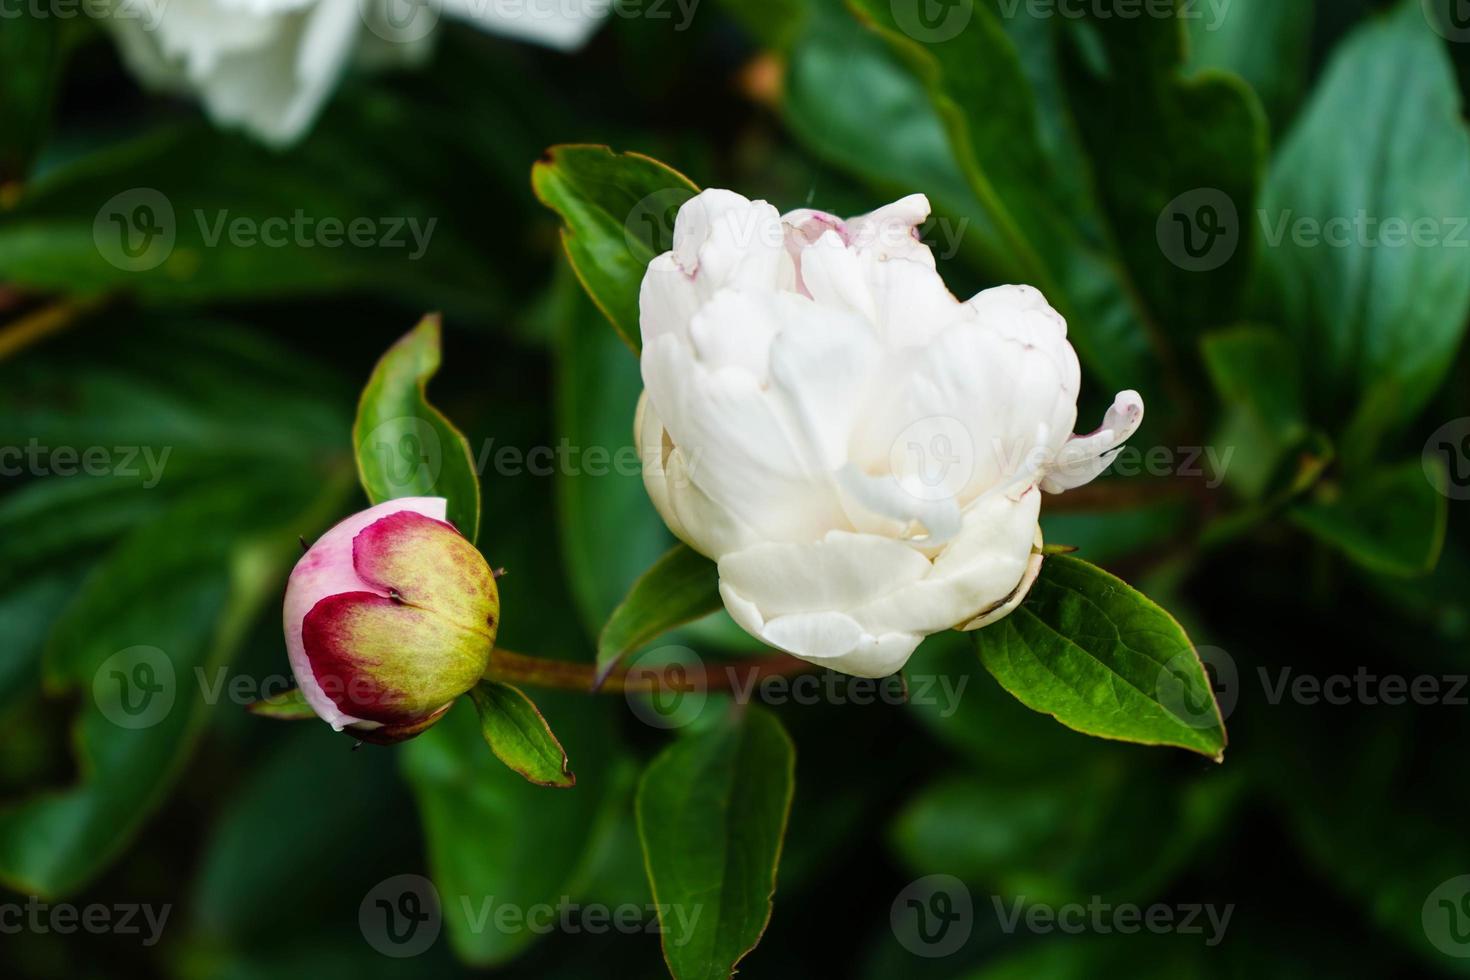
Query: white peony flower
(862, 453)
(268, 66)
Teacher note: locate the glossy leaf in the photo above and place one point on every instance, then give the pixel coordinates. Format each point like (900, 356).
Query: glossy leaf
(1102, 658)
(712, 812)
(519, 736)
(679, 588)
(618, 213)
(405, 446)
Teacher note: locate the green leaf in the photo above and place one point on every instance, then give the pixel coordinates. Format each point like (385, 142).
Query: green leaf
(712, 812)
(1177, 159)
(33, 50)
(519, 736)
(287, 706)
(679, 588)
(1389, 520)
(1258, 378)
(181, 214)
(1100, 657)
(405, 446)
(1381, 144)
(1265, 42)
(618, 210)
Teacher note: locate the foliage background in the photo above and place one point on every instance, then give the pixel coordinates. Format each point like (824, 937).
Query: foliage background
(1325, 551)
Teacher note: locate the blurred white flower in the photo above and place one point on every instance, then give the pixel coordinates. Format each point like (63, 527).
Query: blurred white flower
(862, 453)
(268, 66)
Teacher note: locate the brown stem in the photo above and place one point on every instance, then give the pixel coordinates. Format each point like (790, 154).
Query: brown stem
(566, 675)
(32, 327)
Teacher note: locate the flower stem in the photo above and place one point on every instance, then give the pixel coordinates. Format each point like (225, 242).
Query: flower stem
(566, 675)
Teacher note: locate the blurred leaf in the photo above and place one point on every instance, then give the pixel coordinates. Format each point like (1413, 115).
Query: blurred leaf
(405, 446)
(1172, 155)
(1104, 536)
(679, 588)
(1101, 658)
(287, 706)
(32, 49)
(1107, 826)
(1257, 376)
(618, 210)
(176, 595)
(1377, 314)
(182, 214)
(1144, 956)
(1265, 42)
(519, 736)
(608, 529)
(1389, 520)
(712, 812)
(774, 23)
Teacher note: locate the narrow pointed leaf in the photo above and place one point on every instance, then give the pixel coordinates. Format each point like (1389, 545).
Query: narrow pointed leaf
(405, 446)
(519, 736)
(680, 587)
(287, 706)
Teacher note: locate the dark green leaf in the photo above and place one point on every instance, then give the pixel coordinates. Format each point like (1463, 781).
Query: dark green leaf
(712, 811)
(32, 49)
(519, 736)
(1265, 42)
(1101, 658)
(1388, 520)
(679, 588)
(618, 210)
(1377, 308)
(405, 446)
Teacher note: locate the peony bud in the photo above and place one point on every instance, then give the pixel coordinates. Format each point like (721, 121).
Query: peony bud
(861, 452)
(389, 617)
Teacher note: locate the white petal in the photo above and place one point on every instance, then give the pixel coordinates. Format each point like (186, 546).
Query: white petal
(1083, 458)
